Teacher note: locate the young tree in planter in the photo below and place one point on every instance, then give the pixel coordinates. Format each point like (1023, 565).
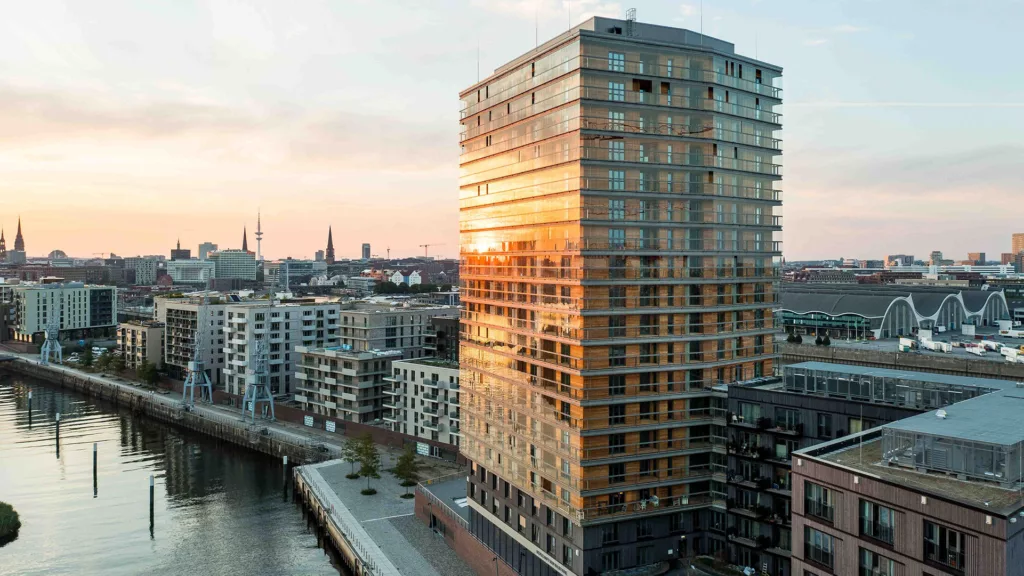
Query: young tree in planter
(369, 462)
(826, 341)
(350, 454)
(817, 341)
(407, 469)
(799, 339)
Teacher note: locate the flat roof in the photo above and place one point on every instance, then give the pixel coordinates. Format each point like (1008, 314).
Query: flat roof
(867, 458)
(906, 374)
(992, 418)
(453, 493)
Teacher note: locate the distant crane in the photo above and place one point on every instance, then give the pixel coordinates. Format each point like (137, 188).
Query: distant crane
(426, 248)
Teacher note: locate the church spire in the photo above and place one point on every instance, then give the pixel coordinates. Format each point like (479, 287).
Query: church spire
(329, 256)
(19, 241)
(245, 239)
(3, 246)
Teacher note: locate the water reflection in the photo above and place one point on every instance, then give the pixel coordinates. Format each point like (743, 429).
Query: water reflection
(217, 508)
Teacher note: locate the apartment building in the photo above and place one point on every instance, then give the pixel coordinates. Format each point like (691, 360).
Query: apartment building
(198, 272)
(139, 342)
(343, 384)
(619, 214)
(422, 399)
(180, 317)
(145, 268)
(287, 325)
(233, 264)
(84, 311)
(935, 494)
(813, 402)
(384, 325)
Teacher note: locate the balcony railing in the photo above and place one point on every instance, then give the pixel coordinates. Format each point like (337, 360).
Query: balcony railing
(606, 93)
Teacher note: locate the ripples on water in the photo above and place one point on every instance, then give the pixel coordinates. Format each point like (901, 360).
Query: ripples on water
(219, 509)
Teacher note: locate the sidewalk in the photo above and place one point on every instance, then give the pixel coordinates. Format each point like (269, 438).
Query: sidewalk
(286, 431)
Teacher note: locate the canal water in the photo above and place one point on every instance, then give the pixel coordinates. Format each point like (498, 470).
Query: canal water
(218, 508)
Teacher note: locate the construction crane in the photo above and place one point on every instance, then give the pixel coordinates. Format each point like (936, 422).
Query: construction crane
(426, 248)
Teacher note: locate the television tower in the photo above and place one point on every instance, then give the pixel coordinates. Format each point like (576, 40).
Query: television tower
(197, 376)
(259, 238)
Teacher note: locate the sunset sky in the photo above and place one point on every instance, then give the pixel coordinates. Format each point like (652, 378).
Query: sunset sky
(126, 125)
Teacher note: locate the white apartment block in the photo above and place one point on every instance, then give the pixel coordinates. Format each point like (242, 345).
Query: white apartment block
(239, 264)
(145, 269)
(139, 342)
(382, 325)
(287, 325)
(83, 310)
(423, 399)
(191, 271)
(343, 384)
(179, 316)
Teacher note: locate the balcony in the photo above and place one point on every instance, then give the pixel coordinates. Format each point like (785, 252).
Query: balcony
(430, 383)
(431, 425)
(393, 391)
(431, 410)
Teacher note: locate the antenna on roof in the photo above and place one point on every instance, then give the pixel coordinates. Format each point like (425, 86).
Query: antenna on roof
(701, 22)
(630, 22)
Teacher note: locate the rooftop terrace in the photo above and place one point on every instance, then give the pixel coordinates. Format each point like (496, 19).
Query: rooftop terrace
(866, 458)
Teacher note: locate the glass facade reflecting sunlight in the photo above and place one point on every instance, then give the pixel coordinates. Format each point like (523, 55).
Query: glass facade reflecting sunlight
(620, 226)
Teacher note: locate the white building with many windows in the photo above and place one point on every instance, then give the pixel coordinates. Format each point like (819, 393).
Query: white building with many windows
(240, 264)
(343, 384)
(287, 325)
(83, 310)
(191, 271)
(422, 399)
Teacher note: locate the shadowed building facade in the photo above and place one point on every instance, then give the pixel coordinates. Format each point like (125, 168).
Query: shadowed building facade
(618, 213)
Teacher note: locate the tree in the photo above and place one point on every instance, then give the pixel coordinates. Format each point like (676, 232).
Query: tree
(117, 364)
(817, 341)
(103, 362)
(147, 372)
(407, 469)
(826, 341)
(369, 461)
(350, 454)
(87, 358)
(799, 339)
(790, 337)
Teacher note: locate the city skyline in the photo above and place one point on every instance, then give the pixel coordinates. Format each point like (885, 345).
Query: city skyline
(254, 107)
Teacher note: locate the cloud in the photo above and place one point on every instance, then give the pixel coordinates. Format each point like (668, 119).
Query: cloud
(815, 42)
(848, 29)
(687, 10)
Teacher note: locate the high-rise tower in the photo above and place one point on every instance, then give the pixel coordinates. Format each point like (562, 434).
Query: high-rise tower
(619, 261)
(19, 241)
(259, 238)
(329, 255)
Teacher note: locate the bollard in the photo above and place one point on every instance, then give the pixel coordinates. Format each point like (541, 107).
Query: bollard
(151, 496)
(29, 409)
(95, 486)
(58, 435)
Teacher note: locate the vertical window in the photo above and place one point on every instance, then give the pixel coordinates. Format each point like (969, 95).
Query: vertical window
(616, 238)
(818, 501)
(668, 67)
(944, 546)
(616, 62)
(616, 473)
(872, 564)
(616, 209)
(818, 547)
(617, 150)
(616, 355)
(617, 91)
(616, 120)
(824, 425)
(877, 522)
(616, 180)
